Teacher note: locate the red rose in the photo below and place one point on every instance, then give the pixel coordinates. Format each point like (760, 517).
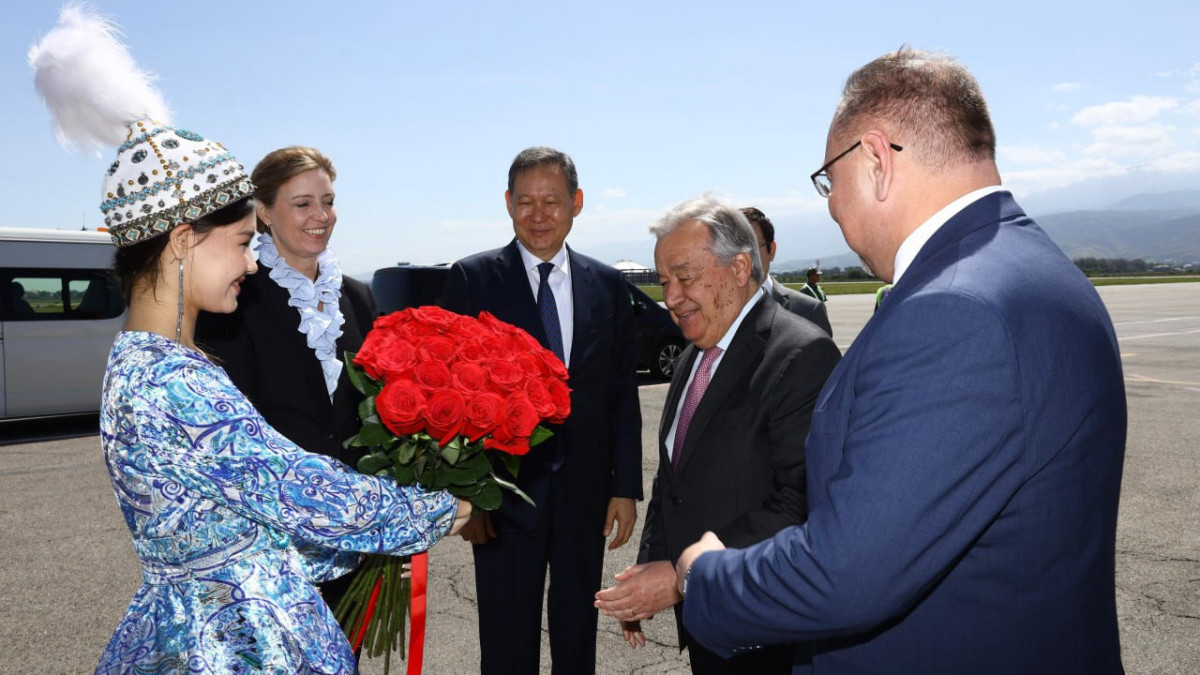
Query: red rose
(530, 365)
(431, 376)
(386, 356)
(444, 414)
(438, 348)
(520, 417)
(469, 377)
(540, 397)
(560, 393)
(401, 406)
(494, 346)
(436, 317)
(473, 350)
(506, 375)
(482, 415)
(553, 366)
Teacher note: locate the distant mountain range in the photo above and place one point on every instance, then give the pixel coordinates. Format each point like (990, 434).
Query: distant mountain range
(1156, 227)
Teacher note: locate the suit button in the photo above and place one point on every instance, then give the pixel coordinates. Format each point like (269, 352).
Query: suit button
(676, 501)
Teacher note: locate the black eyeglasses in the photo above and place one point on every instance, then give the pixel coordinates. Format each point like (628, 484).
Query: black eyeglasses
(820, 179)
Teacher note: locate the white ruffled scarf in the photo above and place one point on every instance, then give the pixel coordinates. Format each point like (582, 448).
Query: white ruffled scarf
(321, 327)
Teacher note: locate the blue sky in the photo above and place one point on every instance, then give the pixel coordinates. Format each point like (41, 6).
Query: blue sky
(422, 106)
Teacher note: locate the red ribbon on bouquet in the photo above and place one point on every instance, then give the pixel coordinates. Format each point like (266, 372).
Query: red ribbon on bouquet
(416, 612)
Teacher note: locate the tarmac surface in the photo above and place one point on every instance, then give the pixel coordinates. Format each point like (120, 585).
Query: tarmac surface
(67, 570)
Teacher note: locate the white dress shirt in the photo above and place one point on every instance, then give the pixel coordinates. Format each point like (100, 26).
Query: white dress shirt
(915, 241)
(560, 286)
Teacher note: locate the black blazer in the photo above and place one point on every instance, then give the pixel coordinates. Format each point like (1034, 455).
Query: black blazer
(802, 304)
(599, 447)
(741, 473)
(266, 356)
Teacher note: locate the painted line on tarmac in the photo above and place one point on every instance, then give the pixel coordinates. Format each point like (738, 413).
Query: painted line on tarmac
(1194, 386)
(1154, 335)
(1174, 318)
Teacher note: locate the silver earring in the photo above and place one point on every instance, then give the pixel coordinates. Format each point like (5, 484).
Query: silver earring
(179, 312)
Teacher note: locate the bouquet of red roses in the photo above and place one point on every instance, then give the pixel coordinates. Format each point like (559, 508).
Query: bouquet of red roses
(448, 397)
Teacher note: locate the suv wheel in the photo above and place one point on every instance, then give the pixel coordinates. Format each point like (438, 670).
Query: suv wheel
(665, 358)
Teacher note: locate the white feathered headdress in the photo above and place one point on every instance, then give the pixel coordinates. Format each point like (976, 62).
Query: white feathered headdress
(90, 82)
(98, 97)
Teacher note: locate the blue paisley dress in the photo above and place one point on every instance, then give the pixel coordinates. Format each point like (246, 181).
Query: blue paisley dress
(233, 523)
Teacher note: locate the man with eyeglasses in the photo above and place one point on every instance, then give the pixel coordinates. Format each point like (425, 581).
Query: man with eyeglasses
(964, 459)
(792, 300)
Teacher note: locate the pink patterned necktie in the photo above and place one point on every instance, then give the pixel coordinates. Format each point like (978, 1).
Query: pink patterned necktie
(695, 392)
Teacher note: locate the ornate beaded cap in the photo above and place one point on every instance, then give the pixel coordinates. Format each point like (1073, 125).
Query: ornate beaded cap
(164, 176)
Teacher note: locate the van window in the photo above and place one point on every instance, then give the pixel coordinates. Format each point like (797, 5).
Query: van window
(42, 294)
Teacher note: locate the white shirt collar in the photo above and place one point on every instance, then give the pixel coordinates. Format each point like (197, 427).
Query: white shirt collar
(766, 285)
(915, 241)
(531, 261)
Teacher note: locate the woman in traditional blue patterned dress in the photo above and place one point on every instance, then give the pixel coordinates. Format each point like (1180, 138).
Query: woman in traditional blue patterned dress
(232, 522)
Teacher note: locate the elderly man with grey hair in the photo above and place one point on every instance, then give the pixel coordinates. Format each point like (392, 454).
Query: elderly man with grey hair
(731, 440)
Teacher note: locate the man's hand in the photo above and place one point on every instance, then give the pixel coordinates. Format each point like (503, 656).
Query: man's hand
(624, 511)
(478, 529)
(632, 632)
(641, 592)
(461, 516)
(708, 542)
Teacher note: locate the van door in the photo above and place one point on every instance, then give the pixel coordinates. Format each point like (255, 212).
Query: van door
(56, 328)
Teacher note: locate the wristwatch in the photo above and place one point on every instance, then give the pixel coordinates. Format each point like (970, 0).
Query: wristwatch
(687, 575)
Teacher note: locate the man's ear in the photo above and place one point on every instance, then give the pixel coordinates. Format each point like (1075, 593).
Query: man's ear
(879, 155)
(742, 268)
(578, 203)
(508, 202)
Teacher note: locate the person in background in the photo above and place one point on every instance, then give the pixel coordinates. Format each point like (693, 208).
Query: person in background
(965, 458)
(812, 287)
(794, 301)
(283, 345)
(731, 441)
(231, 521)
(881, 294)
(587, 477)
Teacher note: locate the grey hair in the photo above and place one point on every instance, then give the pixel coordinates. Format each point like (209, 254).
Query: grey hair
(541, 155)
(728, 229)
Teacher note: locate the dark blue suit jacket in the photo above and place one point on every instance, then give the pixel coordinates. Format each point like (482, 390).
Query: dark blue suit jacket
(600, 444)
(964, 467)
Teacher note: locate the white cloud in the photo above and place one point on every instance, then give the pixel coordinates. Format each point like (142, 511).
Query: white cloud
(1067, 86)
(1193, 83)
(1029, 154)
(1136, 110)
(1176, 163)
(615, 193)
(1036, 180)
(1130, 141)
(1192, 109)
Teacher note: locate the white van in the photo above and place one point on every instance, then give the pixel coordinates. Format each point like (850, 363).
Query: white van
(60, 308)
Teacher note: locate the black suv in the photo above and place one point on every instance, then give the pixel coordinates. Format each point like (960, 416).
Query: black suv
(660, 341)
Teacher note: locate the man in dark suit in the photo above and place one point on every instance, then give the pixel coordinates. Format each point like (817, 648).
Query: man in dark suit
(792, 300)
(731, 452)
(964, 459)
(589, 475)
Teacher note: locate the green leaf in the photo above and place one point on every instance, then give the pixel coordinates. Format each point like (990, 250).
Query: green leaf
(373, 435)
(511, 487)
(489, 497)
(451, 452)
(511, 463)
(366, 410)
(404, 474)
(358, 377)
(406, 452)
(540, 433)
(373, 463)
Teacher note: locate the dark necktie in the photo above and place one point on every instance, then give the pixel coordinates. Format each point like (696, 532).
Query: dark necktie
(695, 392)
(549, 311)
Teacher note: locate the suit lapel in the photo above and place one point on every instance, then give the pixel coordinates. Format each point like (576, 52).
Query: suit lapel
(512, 280)
(584, 298)
(747, 344)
